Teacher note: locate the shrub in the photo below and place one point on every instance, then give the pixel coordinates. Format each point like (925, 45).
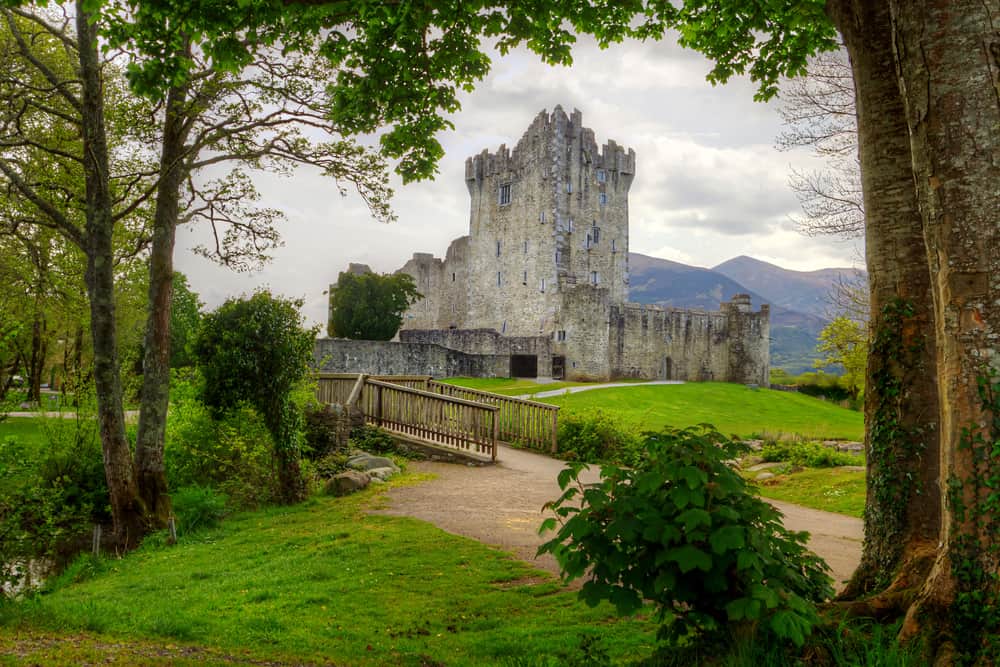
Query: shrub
(597, 436)
(197, 508)
(233, 454)
(807, 453)
(322, 430)
(685, 531)
(373, 440)
(50, 494)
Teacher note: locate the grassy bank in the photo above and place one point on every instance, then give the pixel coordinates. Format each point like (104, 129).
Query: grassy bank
(732, 408)
(828, 489)
(326, 581)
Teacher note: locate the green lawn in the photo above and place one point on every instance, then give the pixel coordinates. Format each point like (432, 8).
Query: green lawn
(509, 386)
(828, 489)
(732, 408)
(325, 581)
(25, 429)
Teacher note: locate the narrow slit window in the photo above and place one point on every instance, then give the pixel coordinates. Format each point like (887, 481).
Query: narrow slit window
(594, 278)
(603, 198)
(498, 279)
(569, 188)
(595, 234)
(542, 288)
(452, 277)
(571, 225)
(613, 248)
(498, 248)
(541, 217)
(524, 280)
(525, 247)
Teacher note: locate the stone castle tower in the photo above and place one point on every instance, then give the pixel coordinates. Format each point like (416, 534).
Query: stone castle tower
(543, 274)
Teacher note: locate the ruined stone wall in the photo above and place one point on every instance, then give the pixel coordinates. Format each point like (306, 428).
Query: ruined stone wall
(342, 355)
(582, 334)
(443, 284)
(486, 342)
(730, 345)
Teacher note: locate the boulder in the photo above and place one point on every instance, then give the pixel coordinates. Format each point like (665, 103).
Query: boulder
(764, 475)
(366, 461)
(382, 474)
(347, 482)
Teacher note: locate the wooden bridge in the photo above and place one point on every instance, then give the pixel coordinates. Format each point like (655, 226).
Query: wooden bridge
(419, 407)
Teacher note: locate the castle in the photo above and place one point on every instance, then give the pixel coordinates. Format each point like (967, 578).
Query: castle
(540, 285)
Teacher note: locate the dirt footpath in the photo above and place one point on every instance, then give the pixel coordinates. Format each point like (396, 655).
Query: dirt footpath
(501, 505)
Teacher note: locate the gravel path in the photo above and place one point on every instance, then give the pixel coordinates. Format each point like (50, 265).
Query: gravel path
(501, 505)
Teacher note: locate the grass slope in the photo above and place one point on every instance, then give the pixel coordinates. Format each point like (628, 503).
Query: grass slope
(732, 408)
(24, 429)
(827, 489)
(326, 581)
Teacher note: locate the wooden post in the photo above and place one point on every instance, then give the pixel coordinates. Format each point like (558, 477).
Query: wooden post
(555, 431)
(97, 539)
(496, 431)
(378, 405)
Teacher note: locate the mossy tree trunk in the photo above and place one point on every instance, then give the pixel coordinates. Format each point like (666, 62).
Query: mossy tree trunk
(948, 66)
(127, 510)
(902, 511)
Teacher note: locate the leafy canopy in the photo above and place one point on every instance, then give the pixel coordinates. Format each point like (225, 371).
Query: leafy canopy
(402, 64)
(368, 306)
(684, 530)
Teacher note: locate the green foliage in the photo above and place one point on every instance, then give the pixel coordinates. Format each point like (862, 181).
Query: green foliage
(368, 306)
(185, 319)
(807, 453)
(373, 440)
(596, 436)
(844, 342)
(255, 351)
(685, 531)
(321, 429)
(52, 491)
(197, 508)
(234, 453)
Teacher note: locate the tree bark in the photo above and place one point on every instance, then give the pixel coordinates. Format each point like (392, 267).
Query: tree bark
(902, 512)
(948, 65)
(126, 507)
(156, 362)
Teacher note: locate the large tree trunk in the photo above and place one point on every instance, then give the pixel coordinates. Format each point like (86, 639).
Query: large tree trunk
(156, 363)
(948, 62)
(126, 507)
(36, 362)
(902, 512)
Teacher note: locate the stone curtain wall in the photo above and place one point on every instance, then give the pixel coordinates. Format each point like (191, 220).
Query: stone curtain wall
(342, 355)
(486, 342)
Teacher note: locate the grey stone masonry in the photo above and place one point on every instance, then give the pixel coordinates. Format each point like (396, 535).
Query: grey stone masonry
(543, 273)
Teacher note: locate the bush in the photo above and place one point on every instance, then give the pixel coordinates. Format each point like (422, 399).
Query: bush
(685, 531)
(50, 494)
(807, 453)
(322, 429)
(233, 454)
(373, 440)
(197, 508)
(597, 437)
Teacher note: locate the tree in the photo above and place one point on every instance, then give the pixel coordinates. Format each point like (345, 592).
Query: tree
(844, 342)
(185, 320)
(818, 112)
(255, 350)
(368, 306)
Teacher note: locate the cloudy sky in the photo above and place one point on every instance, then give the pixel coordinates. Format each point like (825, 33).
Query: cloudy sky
(709, 184)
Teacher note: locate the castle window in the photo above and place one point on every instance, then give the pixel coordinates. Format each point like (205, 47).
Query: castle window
(602, 176)
(589, 240)
(524, 281)
(558, 256)
(452, 277)
(602, 198)
(525, 247)
(503, 327)
(571, 225)
(561, 335)
(504, 196)
(594, 278)
(569, 188)
(613, 249)
(498, 279)
(541, 217)
(595, 233)
(542, 289)
(498, 248)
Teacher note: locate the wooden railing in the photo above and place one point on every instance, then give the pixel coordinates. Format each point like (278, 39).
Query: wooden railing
(523, 422)
(433, 417)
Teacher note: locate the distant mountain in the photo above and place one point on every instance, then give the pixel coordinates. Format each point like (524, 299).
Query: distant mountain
(803, 291)
(665, 283)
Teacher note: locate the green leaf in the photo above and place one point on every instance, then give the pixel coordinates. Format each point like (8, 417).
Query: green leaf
(727, 538)
(690, 557)
(694, 517)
